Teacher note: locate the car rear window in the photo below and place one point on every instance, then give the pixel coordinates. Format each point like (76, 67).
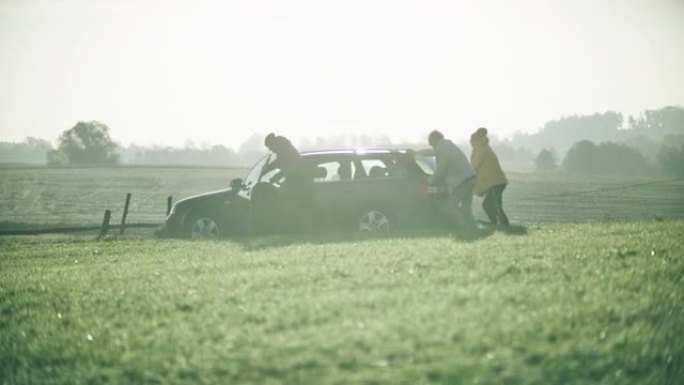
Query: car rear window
(427, 163)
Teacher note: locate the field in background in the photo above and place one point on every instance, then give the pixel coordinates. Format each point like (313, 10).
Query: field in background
(40, 197)
(553, 198)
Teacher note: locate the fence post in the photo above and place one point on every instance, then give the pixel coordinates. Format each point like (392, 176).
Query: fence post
(169, 200)
(125, 213)
(105, 223)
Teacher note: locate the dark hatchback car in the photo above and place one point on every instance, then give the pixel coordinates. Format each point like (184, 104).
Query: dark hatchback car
(366, 190)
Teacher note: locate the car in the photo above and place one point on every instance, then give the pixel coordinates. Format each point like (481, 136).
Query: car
(362, 190)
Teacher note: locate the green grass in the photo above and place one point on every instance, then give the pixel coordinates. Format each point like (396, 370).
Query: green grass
(590, 291)
(558, 304)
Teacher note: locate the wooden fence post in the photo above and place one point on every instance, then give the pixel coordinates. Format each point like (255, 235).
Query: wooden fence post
(125, 214)
(169, 200)
(105, 223)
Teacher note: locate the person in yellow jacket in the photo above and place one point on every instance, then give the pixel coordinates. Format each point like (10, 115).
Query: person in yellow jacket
(491, 180)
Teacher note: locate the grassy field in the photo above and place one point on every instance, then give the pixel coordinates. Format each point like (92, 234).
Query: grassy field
(560, 304)
(588, 289)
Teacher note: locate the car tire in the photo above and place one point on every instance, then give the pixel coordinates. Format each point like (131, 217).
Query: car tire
(375, 221)
(203, 227)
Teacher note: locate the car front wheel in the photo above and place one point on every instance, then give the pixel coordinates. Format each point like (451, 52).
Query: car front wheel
(203, 227)
(374, 221)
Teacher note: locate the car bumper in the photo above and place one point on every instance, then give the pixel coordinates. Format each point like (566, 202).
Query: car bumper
(171, 228)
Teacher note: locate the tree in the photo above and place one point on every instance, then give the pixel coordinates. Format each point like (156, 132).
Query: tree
(658, 123)
(30, 151)
(561, 133)
(86, 143)
(56, 158)
(580, 157)
(671, 155)
(585, 157)
(545, 161)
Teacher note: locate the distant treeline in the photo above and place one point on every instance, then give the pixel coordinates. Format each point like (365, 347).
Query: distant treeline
(30, 151)
(602, 143)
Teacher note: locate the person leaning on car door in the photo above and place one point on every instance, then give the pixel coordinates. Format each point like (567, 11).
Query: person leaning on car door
(453, 169)
(287, 156)
(298, 184)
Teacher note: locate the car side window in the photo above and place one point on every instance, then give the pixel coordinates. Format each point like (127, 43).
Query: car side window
(332, 171)
(380, 167)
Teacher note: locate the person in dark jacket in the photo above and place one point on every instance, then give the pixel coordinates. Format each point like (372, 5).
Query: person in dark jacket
(454, 170)
(287, 156)
(297, 187)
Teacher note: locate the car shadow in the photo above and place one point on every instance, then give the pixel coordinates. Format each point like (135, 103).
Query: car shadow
(319, 237)
(509, 229)
(513, 230)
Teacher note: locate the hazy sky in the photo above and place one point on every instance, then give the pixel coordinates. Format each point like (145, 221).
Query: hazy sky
(164, 72)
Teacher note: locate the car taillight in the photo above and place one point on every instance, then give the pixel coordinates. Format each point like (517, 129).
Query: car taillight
(423, 190)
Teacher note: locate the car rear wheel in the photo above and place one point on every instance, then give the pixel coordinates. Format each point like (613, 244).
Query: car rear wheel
(374, 221)
(203, 227)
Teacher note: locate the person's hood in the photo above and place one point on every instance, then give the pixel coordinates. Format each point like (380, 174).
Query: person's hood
(479, 137)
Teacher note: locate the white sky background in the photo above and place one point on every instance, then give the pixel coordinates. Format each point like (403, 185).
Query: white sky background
(165, 72)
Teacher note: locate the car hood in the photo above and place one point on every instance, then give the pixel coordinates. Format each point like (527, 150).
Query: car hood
(219, 195)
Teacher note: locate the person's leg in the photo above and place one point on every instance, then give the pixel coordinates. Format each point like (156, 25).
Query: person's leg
(301, 196)
(489, 205)
(452, 210)
(466, 198)
(291, 200)
(503, 219)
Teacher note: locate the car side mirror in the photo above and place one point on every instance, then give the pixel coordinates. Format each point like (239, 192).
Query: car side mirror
(236, 184)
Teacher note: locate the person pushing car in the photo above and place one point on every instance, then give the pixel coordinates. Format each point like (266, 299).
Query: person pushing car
(491, 180)
(297, 186)
(287, 156)
(454, 170)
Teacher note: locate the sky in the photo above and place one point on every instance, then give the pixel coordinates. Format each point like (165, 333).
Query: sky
(166, 72)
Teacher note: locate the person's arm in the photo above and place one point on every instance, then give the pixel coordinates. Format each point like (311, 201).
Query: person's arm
(277, 177)
(272, 165)
(476, 160)
(441, 159)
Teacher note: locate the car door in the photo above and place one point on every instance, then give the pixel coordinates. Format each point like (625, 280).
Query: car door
(380, 184)
(333, 188)
(253, 177)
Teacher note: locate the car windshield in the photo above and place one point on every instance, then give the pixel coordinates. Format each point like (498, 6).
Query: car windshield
(427, 163)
